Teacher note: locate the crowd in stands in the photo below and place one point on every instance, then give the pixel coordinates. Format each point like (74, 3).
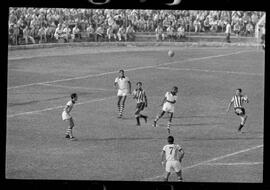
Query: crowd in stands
(40, 25)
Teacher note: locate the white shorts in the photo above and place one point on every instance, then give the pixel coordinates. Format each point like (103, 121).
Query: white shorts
(65, 115)
(173, 166)
(123, 92)
(168, 107)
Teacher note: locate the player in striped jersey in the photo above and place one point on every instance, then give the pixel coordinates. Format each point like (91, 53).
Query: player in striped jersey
(67, 117)
(168, 106)
(173, 154)
(141, 99)
(124, 88)
(237, 100)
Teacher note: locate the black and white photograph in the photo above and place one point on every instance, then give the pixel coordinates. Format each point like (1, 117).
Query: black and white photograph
(135, 94)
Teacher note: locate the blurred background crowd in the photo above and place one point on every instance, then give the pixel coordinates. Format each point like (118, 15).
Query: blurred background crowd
(41, 25)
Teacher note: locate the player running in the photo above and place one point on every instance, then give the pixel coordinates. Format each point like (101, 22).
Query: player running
(168, 106)
(239, 110)
(141, 99)
(124, 88)
(67, 117)
(173, 157)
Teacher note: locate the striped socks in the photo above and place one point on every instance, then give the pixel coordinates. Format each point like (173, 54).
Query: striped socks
(69, 133)
(121, 109)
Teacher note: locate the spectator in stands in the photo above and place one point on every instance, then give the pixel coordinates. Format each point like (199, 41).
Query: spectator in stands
(170, 33)
(110, 33)
(58, 32)
(206, 25)
(197, 25)
(99, 33)
(159, 33)
(181, 32)
(121, 34)
(66, 33)
(26, 35)
(90, 32)
(42, 34)
(75, 33)
(50, 31)
(214, 25)
(12, 34)
(130, 33)
(236, 28)
(249, 29)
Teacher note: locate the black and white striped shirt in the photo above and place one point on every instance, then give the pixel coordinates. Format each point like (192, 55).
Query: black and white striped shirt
(139, 95)
(238, 101)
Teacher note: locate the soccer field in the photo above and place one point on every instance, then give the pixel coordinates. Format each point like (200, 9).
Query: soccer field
(40, 82)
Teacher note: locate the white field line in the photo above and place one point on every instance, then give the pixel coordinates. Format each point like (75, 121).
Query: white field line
(58, 107)
(211, 160)
(108, 51)
(78, 87)
(206, 70)
(131, 69)
(233, 164)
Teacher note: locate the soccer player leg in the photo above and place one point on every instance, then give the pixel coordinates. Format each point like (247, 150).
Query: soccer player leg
(178, 170)
(158, 117)
(137, 115)
(170, 121)
(70, 127)
(119, 96)
(122, 106)
(241, 112)
(168, 168)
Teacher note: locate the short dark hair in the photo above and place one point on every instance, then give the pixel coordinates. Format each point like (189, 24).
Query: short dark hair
(170, 139)
(73, 95)
(175, 87)
(139, 83)
(121, 70)
(240, 90)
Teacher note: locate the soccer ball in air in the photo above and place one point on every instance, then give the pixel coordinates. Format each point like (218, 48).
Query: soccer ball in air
(170, 53)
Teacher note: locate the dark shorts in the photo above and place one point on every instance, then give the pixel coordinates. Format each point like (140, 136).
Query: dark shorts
(140, 106)
(240, 111)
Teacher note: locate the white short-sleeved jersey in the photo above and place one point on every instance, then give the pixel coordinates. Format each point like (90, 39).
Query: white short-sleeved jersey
(172, 152)
(70, 105)
(170, 97)
(167, 106)
(66, 112)
(122, 83)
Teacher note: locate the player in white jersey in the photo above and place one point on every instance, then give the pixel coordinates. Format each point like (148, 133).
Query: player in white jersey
(171, 156)
(123, 85)
(237, 100)
(67, 117)
(168, 106)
